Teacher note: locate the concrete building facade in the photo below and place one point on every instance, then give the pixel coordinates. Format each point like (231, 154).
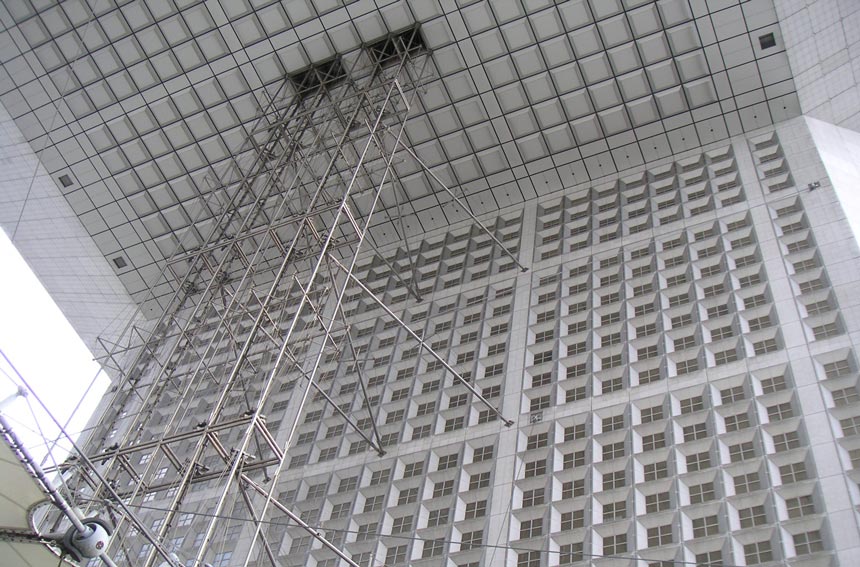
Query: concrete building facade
(608, 316)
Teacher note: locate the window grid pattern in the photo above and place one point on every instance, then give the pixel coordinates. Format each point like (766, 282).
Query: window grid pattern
(598, 323)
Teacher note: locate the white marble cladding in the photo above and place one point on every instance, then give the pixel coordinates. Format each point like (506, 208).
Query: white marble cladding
(52, 240)
(683, 392)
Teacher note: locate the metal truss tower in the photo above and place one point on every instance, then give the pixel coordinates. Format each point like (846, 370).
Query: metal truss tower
(190, 424)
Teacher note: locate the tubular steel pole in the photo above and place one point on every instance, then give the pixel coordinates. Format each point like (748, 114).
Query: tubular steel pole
(424, 345)
(228, 482)
(91, 466)
(338, 303)
(181, 286)
(157, 379)
(463, 205)
(202, 362)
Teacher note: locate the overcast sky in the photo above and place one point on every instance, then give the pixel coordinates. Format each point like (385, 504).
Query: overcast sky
(48, 353)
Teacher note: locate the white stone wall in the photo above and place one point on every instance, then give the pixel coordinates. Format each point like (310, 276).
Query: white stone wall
(51, 238)
(822, 38)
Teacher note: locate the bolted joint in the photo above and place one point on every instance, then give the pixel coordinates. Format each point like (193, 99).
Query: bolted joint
(90, 544)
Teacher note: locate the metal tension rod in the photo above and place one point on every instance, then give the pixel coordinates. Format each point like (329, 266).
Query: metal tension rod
(314, 532)
(244, 188)
(236, 367)
(142, 528)
(266, 547)
(324, 254)
(423, 344)
(56, 498)
(460, 202)
(281, 354)
(378, 448)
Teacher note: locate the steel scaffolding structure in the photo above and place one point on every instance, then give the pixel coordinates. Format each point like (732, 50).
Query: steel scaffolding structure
(257, 307)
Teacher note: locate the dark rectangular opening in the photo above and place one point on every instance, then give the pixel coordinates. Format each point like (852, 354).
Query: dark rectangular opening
(767, 40)
(328, 73)
(66, 180)
(396, 46)
(120, 262)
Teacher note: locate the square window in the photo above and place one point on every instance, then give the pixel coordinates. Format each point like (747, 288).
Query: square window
(660, 535)
(479, 480)
(793, 472)
(702, 493)
(707, 526)
(476, 509)
(535, 468)
(570, 553)
(571, 520)
(407, 496)
(758, 552)
(753, 516)
(537, 441)
(437, 518)
(614, 511)
(655, 471)
(483, 454)
(614, 545)
(533, 497)
(808, 542)
(448, 461)
(657, 502)
(747, 483)
(800, 506)
(471, 540)
(531, 528)
(651, 414)
(401, 525)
